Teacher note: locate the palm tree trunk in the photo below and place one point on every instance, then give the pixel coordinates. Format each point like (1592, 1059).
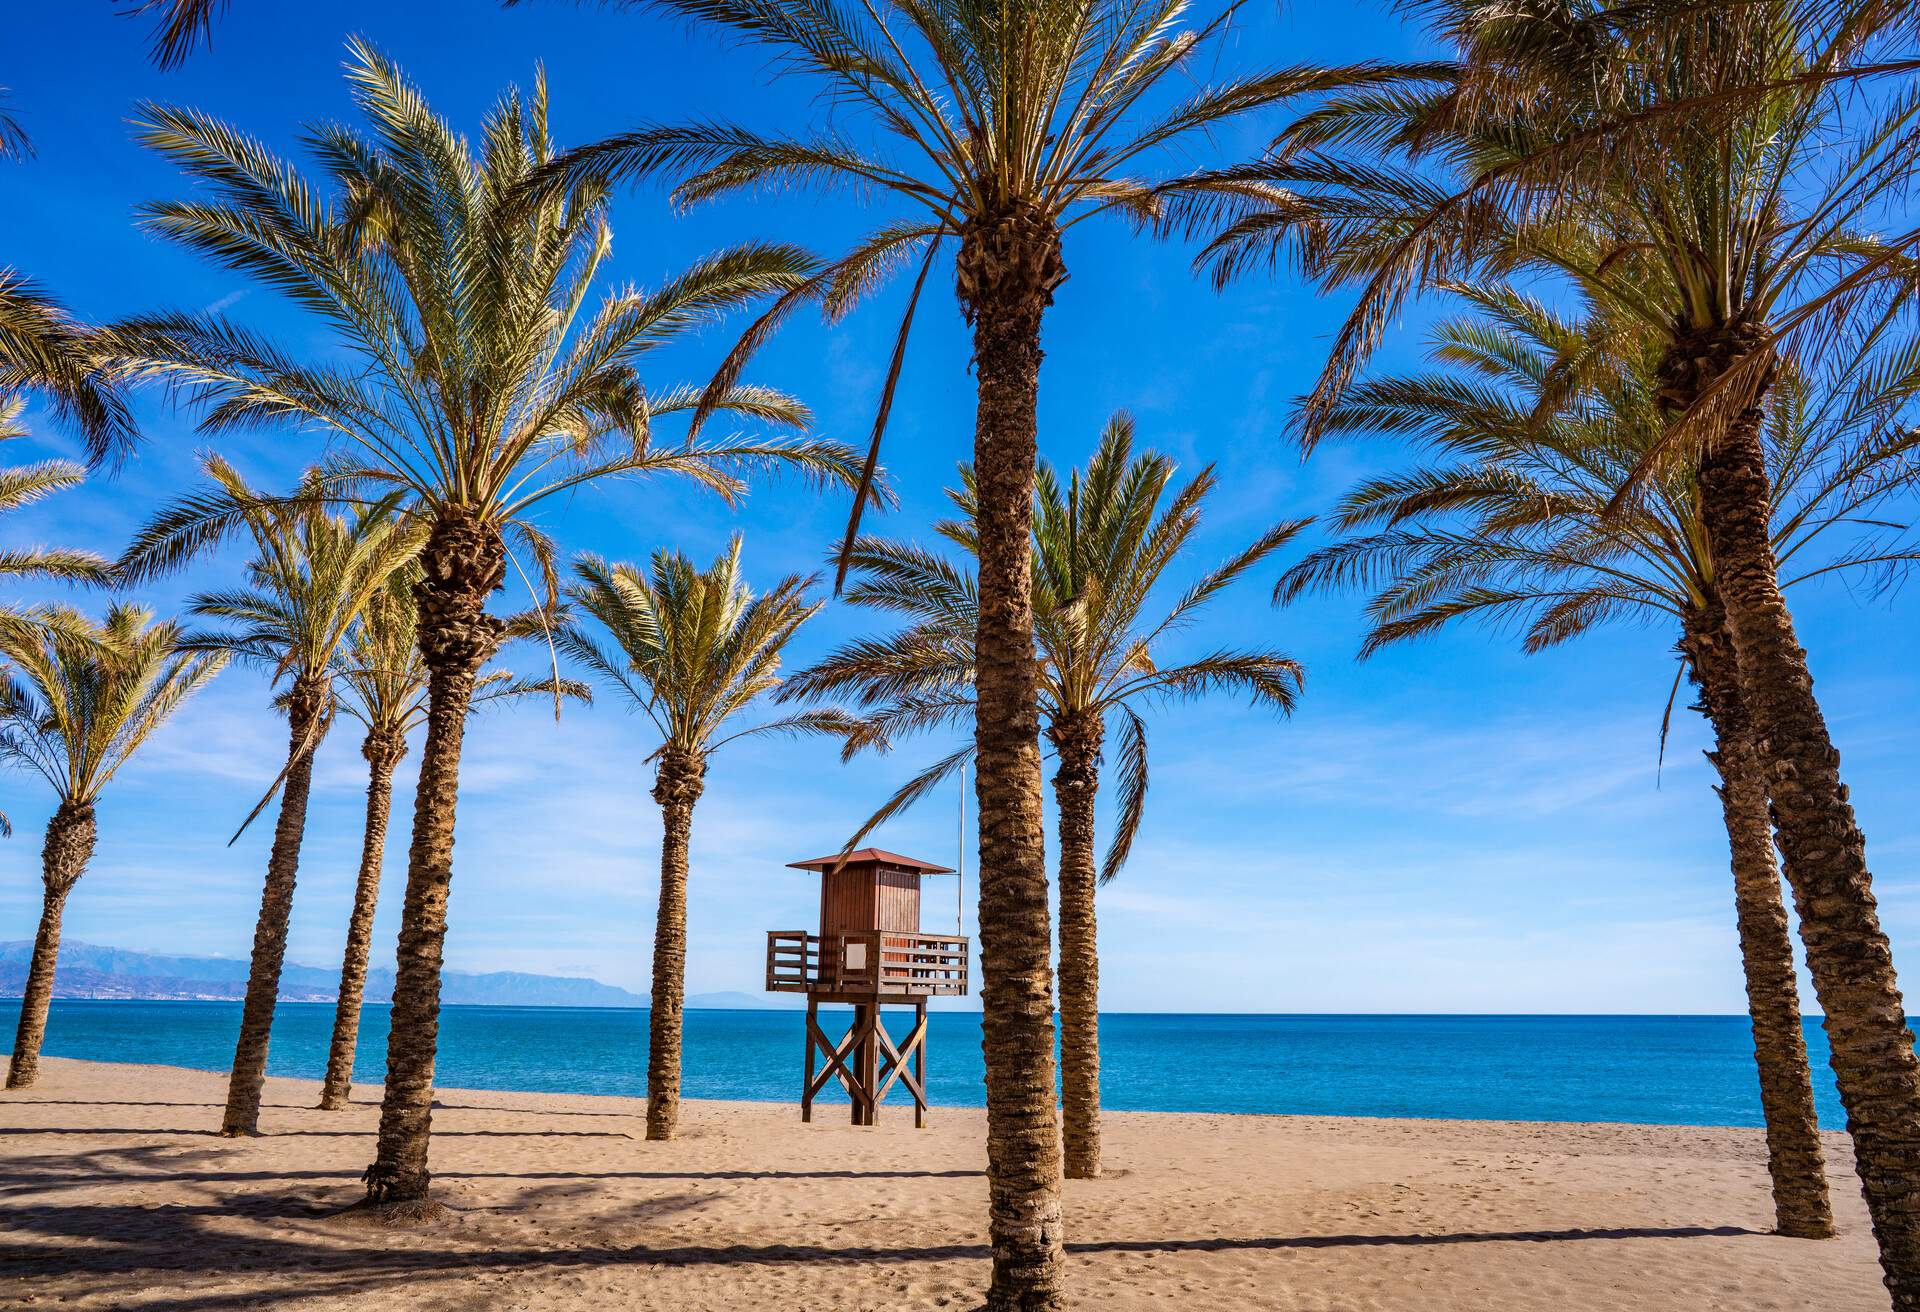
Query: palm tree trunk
(677, 786)
(1076, 783)
(383, 751)
(1794, 1159)
(63, 859)
(306, 714)
(1847, 952)
(1007, 268)
(463, 563)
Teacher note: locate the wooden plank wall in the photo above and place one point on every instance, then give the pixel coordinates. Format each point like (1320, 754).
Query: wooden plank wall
(846, 900)
(899, 902)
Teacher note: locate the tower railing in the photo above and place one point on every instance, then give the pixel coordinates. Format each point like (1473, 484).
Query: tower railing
(869, 961)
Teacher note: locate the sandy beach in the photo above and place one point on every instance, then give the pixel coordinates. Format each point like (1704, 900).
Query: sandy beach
(115, 1193)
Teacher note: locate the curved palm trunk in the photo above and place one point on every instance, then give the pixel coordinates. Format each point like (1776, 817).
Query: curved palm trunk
(1076, 783)
(306, 714)
(1794, 1159)
(1007, 267)
(383, 752)
(63, 859)
(677, 786)
(1847, 952)
(464, 561)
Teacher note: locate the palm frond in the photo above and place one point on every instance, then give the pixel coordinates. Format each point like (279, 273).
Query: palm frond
(46, 351)
(179, 26)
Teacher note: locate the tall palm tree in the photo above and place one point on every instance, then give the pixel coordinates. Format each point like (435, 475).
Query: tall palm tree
(1510, 524)
(81, 700)
(692, 649)
(1103, 545)
(384, 685)
(1727, 239)
(311, 575)
(477, 385)
(1000, 125)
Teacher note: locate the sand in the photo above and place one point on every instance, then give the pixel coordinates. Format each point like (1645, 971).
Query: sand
(116, 1193)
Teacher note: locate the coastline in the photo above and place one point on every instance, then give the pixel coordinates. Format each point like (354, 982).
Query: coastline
(119, 1195)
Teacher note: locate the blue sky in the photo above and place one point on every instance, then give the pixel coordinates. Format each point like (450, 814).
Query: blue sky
(1447, 827)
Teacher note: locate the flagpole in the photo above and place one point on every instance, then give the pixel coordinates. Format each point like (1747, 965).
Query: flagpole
(960, 859)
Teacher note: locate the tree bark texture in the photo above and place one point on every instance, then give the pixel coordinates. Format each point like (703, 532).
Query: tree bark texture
(1794, 1159)
(676, 787)
(307, 710)
(383, 750)
(1077, 741)
(463, 563)
(1824, 850)
(64, 854)
(1007, 267)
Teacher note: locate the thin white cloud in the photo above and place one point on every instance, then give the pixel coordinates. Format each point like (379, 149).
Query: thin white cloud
(226, 302)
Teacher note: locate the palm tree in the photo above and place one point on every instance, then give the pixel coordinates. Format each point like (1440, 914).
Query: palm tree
(385, 685)
(1001, 125)
(1728, 240)
(1511, 525)
(311, 575)
(81, 701)
(1103, 544)
(474, 386)
(692, 649)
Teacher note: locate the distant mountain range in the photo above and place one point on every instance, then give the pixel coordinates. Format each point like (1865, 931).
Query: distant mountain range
(87, 971)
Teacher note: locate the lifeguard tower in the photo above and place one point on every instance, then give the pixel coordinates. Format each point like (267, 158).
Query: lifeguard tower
(870, 954)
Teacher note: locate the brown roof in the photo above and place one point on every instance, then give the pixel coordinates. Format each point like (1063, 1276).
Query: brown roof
(873, 855)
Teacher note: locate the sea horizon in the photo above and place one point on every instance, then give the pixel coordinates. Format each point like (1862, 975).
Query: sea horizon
(797, 1009)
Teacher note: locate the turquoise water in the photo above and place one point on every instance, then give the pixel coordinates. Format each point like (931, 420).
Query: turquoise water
(1677, 1070)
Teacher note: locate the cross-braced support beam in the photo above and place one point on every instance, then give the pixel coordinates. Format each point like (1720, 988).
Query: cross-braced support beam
(866, 1061)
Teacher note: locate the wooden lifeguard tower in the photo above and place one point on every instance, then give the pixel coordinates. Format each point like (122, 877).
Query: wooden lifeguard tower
(870, 954)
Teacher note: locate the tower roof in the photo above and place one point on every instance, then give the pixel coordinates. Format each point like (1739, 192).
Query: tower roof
(871, 856)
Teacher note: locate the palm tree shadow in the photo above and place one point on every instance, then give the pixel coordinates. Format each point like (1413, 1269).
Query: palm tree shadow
(307, 1253)
(518, 1110)
(28, 1131)
(1227, 1245)
(130, 1102)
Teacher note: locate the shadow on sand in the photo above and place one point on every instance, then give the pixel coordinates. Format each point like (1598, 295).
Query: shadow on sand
(142, 1248)
(302, 1247)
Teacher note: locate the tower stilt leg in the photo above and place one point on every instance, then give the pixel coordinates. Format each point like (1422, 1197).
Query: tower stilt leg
(806, 1082)
(919, 1084)
(861, 1094)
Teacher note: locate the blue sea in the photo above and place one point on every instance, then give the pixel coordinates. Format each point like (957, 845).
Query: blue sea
(1677, 1070)
(1671, 1070)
